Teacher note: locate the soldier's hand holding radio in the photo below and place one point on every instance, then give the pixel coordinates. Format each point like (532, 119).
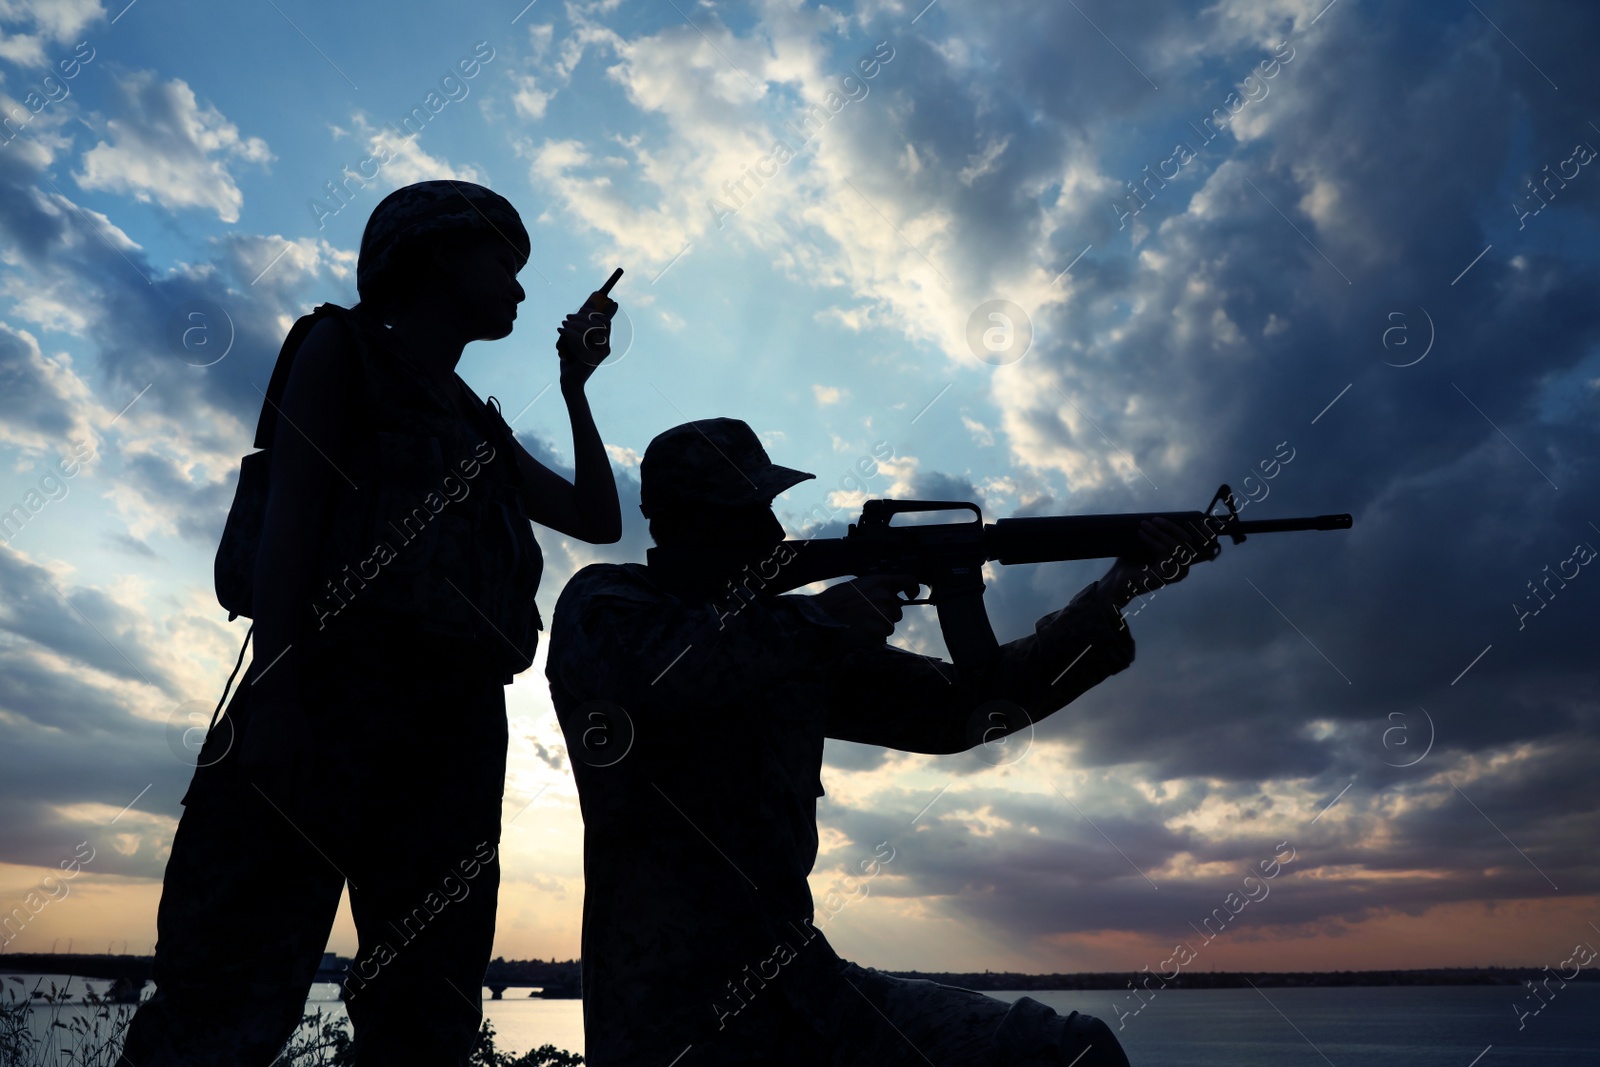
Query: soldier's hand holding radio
(584, 339)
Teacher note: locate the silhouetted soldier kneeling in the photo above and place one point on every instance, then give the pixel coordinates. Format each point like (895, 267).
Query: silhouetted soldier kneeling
(696, 721)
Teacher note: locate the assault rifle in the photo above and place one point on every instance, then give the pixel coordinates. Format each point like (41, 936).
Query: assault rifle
(948, 558)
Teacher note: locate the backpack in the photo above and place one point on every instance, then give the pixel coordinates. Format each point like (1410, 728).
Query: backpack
(234, 571)
(502, 555)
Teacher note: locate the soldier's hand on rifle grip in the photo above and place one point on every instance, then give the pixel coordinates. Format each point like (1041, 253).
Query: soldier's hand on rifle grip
(870, 606)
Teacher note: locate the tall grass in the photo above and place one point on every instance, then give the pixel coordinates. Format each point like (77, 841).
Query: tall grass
(90, 1032)
(90, 1036)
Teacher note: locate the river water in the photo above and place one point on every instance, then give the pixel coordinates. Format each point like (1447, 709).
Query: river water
(1444, 1026)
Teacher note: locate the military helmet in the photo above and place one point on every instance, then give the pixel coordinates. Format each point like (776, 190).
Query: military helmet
(428, 209)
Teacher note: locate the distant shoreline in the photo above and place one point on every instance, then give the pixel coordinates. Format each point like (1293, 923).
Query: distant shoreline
(520, 974)
(991, 981)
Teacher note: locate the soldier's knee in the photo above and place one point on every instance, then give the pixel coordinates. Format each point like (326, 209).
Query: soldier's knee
(1088, 1042)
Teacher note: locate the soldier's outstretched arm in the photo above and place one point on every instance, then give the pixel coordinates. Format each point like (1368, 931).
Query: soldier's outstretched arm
(888, 696)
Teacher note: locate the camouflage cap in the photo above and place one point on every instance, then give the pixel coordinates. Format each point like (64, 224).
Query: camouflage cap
(711, 461)
(428, 208)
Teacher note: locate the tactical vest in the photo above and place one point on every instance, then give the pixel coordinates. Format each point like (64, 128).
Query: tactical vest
(433, 540)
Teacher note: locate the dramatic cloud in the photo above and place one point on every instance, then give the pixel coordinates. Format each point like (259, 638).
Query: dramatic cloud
(43, 402)
(165, 147)
(957, 255)
(1202, 350)
(53, 21)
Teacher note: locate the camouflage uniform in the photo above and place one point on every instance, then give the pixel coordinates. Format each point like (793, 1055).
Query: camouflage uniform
(697, 735)
(402, 678)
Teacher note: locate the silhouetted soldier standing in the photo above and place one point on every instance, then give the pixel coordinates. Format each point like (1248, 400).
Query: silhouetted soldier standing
(393, 593)
(696, 720)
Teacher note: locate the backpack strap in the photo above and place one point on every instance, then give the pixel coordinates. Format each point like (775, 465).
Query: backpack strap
(487, 417)
(267, 424)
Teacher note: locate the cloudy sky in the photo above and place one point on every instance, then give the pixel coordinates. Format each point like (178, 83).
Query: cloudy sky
(1332, 254)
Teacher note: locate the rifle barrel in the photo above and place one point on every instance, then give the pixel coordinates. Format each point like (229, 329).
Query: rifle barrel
(1319, 522)
(1041, 540)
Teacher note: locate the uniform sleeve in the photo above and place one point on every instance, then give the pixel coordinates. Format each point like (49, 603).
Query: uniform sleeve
(888, 696)
(622, 641)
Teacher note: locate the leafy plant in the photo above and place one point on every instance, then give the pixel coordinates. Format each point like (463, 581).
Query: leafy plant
(485, 1055)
